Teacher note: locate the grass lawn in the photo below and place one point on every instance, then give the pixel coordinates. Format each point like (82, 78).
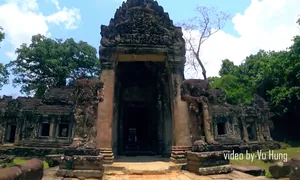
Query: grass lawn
(22, 161)
(292, 152)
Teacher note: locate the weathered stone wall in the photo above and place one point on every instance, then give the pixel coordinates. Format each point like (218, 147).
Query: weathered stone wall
(230, 124)
(21, 121)
(31, 170)
(49, 122)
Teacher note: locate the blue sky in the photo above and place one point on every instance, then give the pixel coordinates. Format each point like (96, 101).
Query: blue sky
(255, 24)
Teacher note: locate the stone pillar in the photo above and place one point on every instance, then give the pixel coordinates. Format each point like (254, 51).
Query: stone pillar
(245, 131)
(181, 132)
(51, 131)
(18, 131)
(2, 130)
(260, 136)
(228, 127)
(105, 115)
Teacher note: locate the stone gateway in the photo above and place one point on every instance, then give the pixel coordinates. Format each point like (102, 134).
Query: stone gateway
(142, 55)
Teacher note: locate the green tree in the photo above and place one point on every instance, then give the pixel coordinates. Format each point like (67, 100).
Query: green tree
(236, 92)
(2, 35)
(227, 67)
(275, 76)
(285, 97)
(47, 63)
(3, 71)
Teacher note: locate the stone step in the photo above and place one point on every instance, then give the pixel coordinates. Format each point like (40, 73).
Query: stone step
(178, 167)
(147, 171)
(113, 172)
(223, 169)
(252, 170)
(113, 168)
(153, 168)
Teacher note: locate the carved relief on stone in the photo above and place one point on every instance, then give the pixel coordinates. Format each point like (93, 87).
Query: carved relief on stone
(88, 94)
(140, 22)
(175, 86)
(30, 131)
(195, 92)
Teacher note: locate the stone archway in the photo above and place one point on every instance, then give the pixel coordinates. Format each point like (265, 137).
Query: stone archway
(141, 32)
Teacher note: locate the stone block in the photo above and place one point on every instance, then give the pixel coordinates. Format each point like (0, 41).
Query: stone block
(295, 169)
(78, 162)
(280, 170)
(10, 173)
(178, 154)
(79, 173)
(204, 157)
(31, 170)
(209, 160)
(215, 170)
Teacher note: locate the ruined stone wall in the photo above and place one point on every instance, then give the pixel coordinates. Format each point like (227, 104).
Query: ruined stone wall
(23, 121)
(230, 124)
(49, 122)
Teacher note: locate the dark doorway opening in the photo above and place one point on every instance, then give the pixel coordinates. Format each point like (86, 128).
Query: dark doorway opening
(221, 128)
(138, 114)
(12, 133)
(45, 129)
(137, 130)
(251, 132)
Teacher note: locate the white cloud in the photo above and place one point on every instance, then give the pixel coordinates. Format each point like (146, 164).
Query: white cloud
(68, 17)
(266, 24)
(56, 3)
(25, 5)
(21, 19)
(20, 23)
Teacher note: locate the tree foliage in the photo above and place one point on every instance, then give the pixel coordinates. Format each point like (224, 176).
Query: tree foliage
(272, 75)
(275, 76)
(3, 71)
(2, 35)
(227, 67)
(47, 63)
(236, 93)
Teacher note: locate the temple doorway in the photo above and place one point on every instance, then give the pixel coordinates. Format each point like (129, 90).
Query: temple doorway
(11, 133)
(138, 131)
(139, 122)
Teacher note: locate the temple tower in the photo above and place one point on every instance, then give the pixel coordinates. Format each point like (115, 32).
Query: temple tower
(142, 58)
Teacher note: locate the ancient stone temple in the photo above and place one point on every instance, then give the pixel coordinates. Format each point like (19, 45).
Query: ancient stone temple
(141, 105)
(145, 109)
